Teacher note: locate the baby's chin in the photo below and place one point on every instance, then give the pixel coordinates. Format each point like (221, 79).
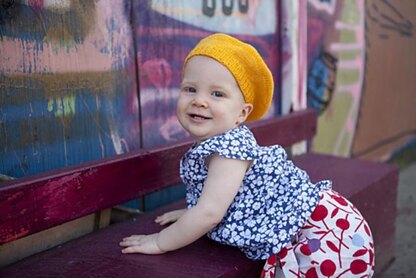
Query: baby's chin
(200, 138)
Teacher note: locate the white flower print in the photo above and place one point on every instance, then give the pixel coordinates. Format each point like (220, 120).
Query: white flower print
(287, 195)
(282, 234)
(250, 223)
(292, 220)
(238, 215)
(225, 233)
(268, 169)
(247, 233)
(256, 205)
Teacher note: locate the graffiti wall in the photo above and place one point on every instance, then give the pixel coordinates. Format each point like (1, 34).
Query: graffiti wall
(67, 84)
(84, 80)
(167, 30)
(361, 63)
(336, 53)
(294, 59)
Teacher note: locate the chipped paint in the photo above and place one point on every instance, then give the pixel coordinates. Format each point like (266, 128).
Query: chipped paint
(9, 236)
(62, 107)
(68, 91)
(74, 178)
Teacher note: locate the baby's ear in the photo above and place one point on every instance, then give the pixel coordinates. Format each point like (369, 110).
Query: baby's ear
(245, 111)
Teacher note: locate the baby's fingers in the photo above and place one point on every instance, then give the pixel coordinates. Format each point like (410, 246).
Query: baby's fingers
(163, 219)
(133, 243)
(132, 249)
(133, 237)
(125, 243)
(145, 244)
(169, 217)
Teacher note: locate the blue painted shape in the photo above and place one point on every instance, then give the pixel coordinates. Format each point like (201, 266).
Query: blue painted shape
(35, 137)
(317, 81)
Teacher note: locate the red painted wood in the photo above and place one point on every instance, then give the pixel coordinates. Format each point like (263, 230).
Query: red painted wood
(370, 186)
(286, 130)
(367, 184)
(99, 255)
(35, 203)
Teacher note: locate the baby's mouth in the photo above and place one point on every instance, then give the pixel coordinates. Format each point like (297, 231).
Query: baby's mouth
(199, 117)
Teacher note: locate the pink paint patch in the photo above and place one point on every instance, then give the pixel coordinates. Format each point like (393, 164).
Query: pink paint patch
(355, 91)
(36, 3)
(359, 35)
(159, 72)
(349, 125)
(358, 61)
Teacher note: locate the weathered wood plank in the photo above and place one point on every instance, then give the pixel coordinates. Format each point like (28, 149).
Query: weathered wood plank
(18, 249)
(32, 204)
(286, 130)
(203, 258)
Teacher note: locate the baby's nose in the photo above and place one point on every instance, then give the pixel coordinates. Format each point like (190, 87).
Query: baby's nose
(199, 100)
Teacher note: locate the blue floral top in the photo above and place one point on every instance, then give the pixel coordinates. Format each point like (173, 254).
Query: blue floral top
(274, 201)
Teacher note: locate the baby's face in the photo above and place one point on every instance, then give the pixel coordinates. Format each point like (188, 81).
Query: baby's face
(210, 101)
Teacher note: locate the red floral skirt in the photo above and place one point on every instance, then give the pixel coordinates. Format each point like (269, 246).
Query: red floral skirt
(335, 242)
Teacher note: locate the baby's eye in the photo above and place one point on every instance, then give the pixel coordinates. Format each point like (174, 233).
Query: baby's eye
(217, 94)
(189, 89)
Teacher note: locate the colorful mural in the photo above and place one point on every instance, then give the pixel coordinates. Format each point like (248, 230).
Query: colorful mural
(84, 80)
(336, 53)
(294, 59)
(67, 84)
(81, 81)
(361, 63)
(165, 33)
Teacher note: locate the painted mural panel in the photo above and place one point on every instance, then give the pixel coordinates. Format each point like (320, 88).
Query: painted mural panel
(165, 32)
(388, 107)
(67, 84)
(294, 59)
(336, 55)
(361, 68)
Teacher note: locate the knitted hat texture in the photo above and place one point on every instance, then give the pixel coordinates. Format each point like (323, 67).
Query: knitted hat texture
(246, 65)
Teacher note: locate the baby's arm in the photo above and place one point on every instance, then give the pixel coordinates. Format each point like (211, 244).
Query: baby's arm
(221, 186)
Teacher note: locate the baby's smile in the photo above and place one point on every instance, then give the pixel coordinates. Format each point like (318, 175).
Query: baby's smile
(199, 117)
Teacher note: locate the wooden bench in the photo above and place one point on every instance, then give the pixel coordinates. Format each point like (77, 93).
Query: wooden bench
(33, 204)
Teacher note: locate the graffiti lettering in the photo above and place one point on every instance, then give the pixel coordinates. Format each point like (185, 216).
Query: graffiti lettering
(209, 7)
(321, 81)
(227, 9)
(243, 6)
(393, 21)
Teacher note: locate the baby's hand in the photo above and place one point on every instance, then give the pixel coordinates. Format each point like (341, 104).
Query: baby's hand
(170, 217)
(145, 244)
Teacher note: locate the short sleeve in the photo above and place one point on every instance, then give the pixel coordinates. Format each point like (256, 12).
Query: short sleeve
(238, 143)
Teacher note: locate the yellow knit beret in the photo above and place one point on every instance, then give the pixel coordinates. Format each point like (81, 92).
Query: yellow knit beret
(246, 65)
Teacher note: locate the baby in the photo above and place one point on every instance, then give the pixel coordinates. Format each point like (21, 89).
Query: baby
(249, 196)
